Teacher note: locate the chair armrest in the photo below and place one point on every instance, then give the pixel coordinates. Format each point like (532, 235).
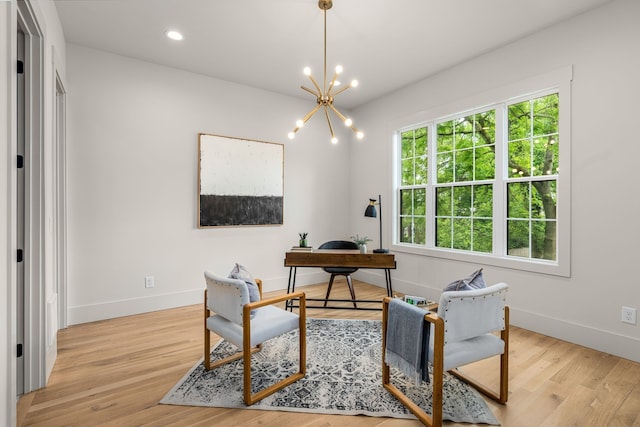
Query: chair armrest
(438, 360)
(259, 283)
(438, 329)
(246, 310)
(275, 300)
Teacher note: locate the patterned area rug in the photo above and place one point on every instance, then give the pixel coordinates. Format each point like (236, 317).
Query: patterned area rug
(343, 377)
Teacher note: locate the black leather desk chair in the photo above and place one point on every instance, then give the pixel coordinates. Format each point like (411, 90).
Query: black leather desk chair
(340, 271)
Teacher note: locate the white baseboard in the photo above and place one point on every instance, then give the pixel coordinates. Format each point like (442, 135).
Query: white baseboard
(304, 277)
(113, 309)
(597, 339)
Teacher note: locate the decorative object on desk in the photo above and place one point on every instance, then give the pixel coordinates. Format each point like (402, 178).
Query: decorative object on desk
(325, 95)
(343, 365)
(414, 300)
(302, 248)
(240, 182)
(371, 212)
(361, 242)
(303, 239)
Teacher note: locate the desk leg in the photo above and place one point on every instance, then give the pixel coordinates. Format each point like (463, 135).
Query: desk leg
(291, 286)
(387, 277)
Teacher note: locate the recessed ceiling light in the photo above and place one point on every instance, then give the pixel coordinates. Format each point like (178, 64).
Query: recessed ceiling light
(174, 35)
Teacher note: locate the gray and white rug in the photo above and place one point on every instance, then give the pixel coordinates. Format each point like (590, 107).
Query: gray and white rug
(343, 377)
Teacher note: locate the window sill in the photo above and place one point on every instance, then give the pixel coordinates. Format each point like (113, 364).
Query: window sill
(524, 264)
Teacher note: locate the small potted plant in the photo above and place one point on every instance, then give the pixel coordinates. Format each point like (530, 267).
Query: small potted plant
(361, 242)
(303, 239)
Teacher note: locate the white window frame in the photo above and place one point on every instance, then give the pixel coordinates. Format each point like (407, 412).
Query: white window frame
(557, 81)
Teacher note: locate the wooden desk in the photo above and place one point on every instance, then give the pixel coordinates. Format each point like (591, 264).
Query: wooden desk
(339, 258)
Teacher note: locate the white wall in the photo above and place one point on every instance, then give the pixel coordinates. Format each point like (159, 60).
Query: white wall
(585, 308)
(132, 174)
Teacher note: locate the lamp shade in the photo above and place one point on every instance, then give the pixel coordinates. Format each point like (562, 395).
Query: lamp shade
(371, 211)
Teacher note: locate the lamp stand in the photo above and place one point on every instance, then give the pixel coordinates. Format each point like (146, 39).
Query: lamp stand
(380, 250)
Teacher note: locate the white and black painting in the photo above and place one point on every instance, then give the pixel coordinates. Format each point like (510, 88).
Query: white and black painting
(240, 182)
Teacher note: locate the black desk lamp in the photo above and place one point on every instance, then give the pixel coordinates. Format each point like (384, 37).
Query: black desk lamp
(371, 212)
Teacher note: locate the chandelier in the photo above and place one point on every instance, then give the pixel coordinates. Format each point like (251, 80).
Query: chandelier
(326, 95)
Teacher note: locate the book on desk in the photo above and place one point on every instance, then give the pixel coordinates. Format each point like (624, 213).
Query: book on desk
(301, 249)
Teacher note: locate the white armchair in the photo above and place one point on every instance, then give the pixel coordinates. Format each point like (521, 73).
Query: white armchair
(462, 332)
(247, 325)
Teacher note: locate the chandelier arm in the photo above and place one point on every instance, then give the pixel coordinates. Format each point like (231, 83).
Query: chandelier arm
(310, 91)
(306, 118)
(342, 117)
(341, 90)
(315, 83)
(338, 113)
(326, 113)
(333, 82)
(310, 113)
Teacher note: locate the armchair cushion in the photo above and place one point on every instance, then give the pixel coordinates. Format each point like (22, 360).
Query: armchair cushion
(240, 272)
(473, 281)
(267, 322)
(463, 352)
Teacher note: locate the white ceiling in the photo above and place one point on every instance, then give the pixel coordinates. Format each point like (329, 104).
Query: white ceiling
(266, 43)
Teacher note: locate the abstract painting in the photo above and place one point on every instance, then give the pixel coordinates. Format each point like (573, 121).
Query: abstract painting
(240, 182)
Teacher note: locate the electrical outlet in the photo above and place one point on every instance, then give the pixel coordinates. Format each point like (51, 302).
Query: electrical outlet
(629, 315)
(148, 282)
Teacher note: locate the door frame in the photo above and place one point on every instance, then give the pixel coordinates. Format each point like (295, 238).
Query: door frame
(34, 342)
(60, 196)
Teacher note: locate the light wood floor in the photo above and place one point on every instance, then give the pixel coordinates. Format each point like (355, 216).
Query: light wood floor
(114, 372)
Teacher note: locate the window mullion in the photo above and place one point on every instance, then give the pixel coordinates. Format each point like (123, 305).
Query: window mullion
(500, 186)
(430, 221)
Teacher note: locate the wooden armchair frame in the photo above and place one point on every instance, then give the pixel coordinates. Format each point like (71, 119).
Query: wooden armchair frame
(247, 350)
(435, 419)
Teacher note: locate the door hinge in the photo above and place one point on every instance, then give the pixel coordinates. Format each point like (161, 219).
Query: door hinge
(20, 255)
(19, 352)
(20, 67)
(20, 161)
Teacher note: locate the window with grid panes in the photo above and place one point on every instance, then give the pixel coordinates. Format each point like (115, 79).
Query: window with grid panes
(472, 195)
(533, 169)
(465, 170)
(413, 186)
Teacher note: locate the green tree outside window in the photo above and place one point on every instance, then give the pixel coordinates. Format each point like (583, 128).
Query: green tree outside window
(465, 176)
